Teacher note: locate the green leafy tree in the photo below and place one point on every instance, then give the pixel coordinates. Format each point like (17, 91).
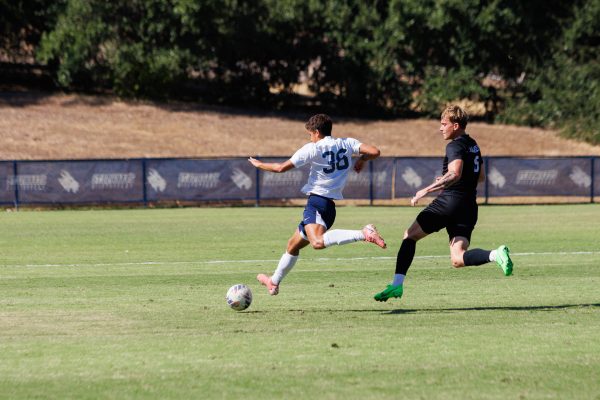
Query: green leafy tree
(564, 92)
(126, 46)
(395, 57)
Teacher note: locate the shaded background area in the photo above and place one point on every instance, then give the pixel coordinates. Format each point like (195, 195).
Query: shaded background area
(529, 63)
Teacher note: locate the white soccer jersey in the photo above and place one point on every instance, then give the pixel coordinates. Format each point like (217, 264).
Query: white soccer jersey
(330, 161)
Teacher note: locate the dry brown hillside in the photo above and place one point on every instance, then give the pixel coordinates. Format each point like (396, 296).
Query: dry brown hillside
(40, 126)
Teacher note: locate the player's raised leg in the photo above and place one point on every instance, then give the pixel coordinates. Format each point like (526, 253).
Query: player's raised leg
(341, 237)
(478, 257)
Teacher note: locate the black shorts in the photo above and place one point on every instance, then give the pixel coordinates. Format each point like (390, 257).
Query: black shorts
(457, 214)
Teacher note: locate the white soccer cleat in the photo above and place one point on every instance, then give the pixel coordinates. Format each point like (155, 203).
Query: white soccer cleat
(372, 236)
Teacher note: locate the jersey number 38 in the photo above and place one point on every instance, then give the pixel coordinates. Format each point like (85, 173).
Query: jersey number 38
(337, 161)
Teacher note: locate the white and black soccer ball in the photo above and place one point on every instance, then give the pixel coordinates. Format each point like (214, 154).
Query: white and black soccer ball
(239, 297)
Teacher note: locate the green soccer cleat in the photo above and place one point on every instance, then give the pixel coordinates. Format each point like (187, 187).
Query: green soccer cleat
(503, 260)
(390, 291)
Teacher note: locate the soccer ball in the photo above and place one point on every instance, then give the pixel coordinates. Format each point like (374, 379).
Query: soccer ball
(239, 297)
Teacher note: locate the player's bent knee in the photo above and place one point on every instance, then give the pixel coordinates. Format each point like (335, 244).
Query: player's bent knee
(318, 244)
(458, 262)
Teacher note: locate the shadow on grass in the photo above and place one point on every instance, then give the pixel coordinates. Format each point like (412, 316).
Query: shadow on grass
(499, 308)
(433, 310)
(443, 310)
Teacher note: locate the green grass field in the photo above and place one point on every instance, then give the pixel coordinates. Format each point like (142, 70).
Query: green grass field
(130, 304)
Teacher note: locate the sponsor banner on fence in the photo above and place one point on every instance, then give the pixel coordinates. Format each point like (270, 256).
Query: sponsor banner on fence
(539, 177)
(288, 185)
(79, 181)
(285, 185)
(358, 185)
(415, 173)
(121, 181)
(196, 180)
(7, 190)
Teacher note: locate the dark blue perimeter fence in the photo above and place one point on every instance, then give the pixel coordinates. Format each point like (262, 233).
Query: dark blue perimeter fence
(154, 181)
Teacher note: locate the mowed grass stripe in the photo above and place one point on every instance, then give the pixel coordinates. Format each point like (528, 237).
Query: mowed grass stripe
(110, 325)
(318, 259)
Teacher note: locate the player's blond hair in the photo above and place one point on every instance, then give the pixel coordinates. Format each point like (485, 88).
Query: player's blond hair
(456, 115)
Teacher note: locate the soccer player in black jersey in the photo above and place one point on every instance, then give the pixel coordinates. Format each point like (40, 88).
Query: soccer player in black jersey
(455, 208)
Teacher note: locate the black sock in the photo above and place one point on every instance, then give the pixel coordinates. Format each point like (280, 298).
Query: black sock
(476, 257)
(405, 256)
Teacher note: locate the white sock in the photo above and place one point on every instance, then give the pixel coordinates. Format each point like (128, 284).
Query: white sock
(286, 263)
(342, 236)
(493, 255)
(398, 279)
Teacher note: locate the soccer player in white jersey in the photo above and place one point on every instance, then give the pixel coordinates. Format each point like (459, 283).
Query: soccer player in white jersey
(330, 162)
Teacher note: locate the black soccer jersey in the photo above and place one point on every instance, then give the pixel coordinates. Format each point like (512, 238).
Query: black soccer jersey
(464, 148)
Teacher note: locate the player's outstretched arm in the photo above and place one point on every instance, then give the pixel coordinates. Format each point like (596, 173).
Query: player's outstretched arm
(272, 167)
(453, 175)
(367, 152)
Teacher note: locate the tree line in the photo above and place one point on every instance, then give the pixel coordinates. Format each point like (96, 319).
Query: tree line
(532, 62)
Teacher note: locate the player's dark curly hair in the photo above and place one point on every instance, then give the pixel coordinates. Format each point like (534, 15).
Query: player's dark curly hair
(321, 123)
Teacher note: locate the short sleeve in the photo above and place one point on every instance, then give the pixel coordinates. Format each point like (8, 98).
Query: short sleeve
(304, 155)
(355, 144)
(454, 151)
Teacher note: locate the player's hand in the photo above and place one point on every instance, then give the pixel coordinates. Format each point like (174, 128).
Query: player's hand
(359, 165)
(254, 161)
(418, 196)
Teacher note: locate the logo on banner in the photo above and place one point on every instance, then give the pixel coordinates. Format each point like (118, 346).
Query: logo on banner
(156, 181)
(534, 177)
(203, 180)
(496, 178)
(29, 183)
(113, 181)
(241, 180)
(379, 178)
(412, 178)
(290, 178)
(68, 183)
(362, 179)
(580, 178)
